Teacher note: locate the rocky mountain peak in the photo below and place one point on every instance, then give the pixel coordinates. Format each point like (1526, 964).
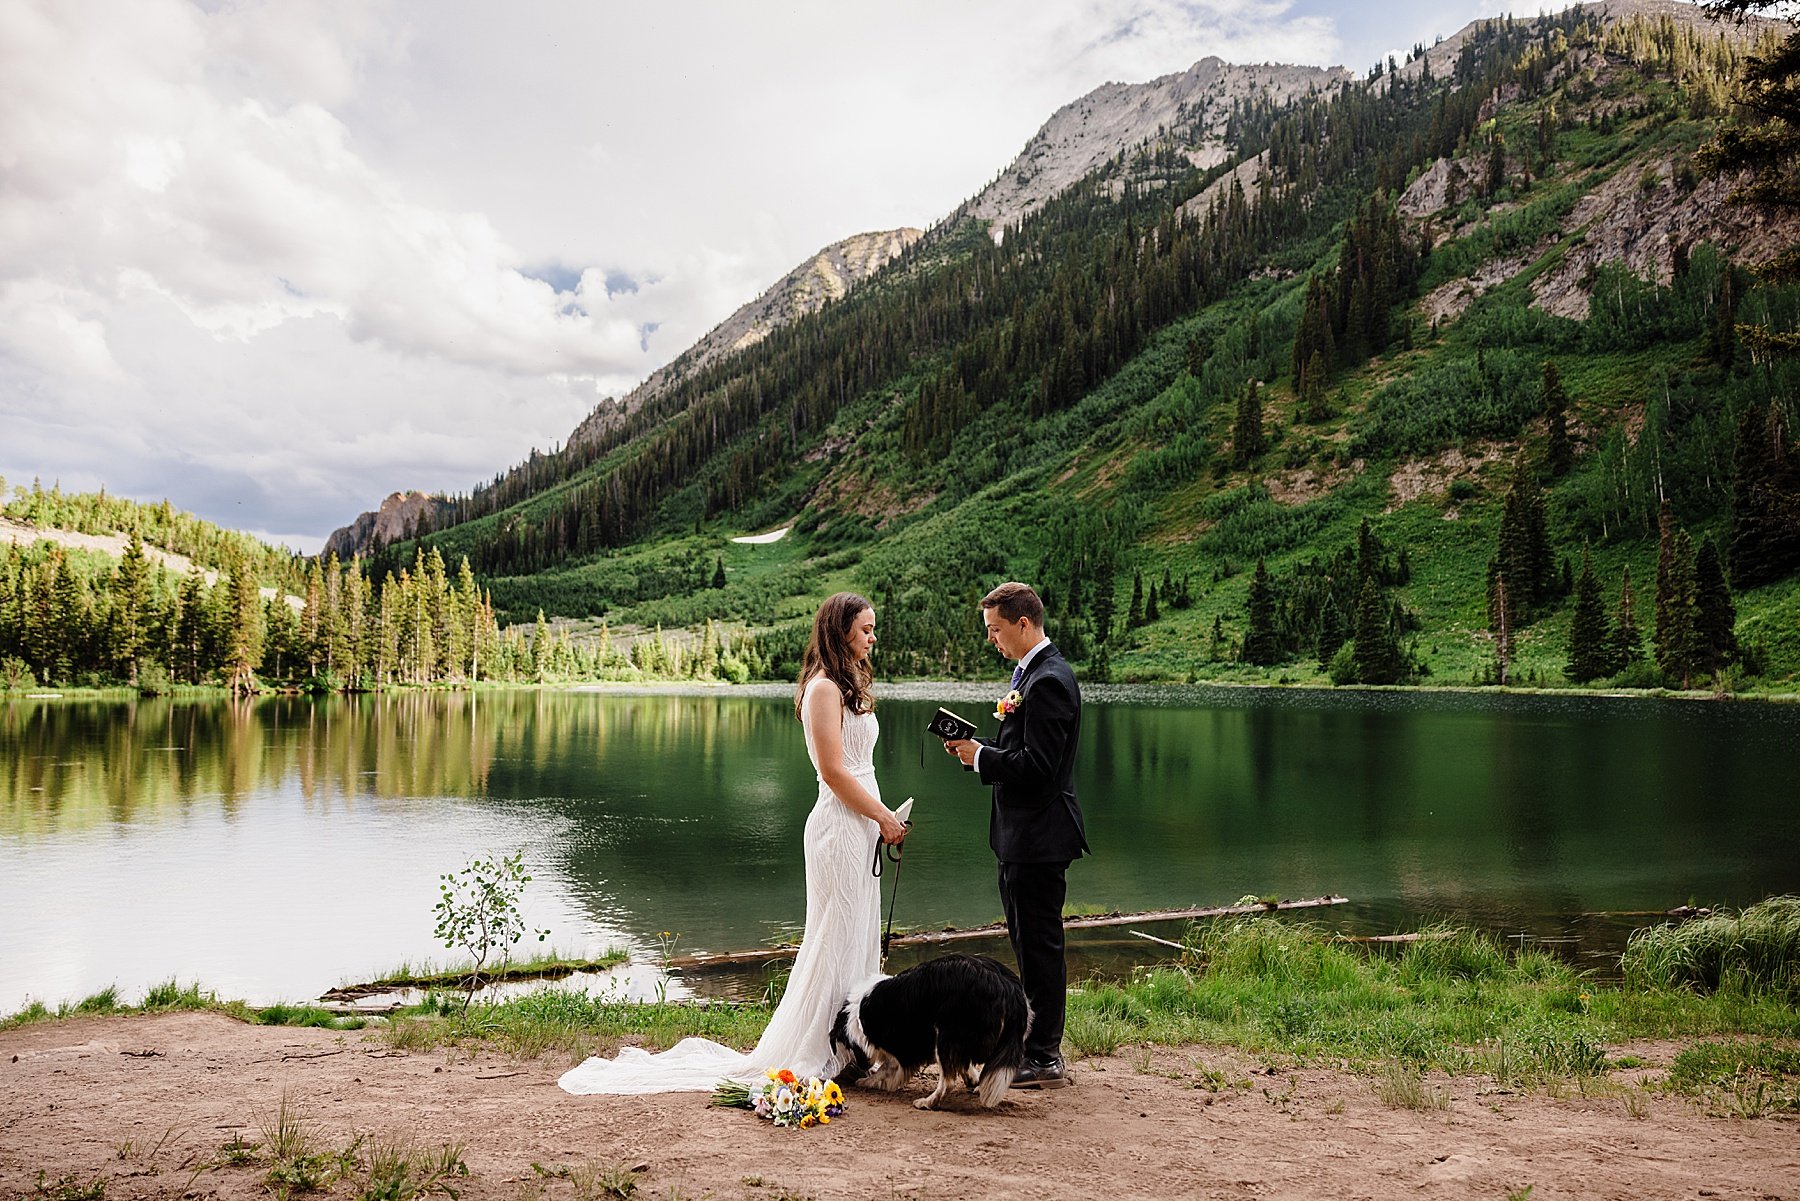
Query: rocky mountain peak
(826, 276)
(399, 515)
(1186, 112)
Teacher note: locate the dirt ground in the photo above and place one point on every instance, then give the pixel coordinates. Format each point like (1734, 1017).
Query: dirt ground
(145, 1103)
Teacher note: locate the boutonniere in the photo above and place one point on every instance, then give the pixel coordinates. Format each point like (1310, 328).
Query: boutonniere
(1007, 703)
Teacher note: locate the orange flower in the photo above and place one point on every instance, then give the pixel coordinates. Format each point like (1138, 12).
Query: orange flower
(787, 1077)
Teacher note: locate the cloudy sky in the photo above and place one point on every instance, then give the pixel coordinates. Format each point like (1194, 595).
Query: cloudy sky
(273, 259)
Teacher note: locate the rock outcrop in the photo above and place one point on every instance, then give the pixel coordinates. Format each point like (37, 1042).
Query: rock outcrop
(1186, 112)
(397, 518)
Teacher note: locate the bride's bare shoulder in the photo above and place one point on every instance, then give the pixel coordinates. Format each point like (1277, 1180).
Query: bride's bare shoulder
(817, 685)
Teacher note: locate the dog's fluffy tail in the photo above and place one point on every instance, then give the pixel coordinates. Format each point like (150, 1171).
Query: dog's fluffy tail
(1009, 1055)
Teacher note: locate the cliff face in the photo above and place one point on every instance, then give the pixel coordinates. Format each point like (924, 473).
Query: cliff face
(399, 514)
(826, 276)
(1185, 113)
(1640, 214)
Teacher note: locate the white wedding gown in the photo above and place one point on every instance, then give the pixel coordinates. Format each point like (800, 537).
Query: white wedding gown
(840, 949)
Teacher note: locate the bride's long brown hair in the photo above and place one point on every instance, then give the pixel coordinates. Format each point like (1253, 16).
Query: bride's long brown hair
(828, 654)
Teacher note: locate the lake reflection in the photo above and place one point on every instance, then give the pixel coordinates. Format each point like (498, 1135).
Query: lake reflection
(274, 848)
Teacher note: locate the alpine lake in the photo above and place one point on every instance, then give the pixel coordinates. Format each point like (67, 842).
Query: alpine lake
(274, 848)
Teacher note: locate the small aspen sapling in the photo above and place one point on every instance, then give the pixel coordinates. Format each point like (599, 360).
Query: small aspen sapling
(478, 911)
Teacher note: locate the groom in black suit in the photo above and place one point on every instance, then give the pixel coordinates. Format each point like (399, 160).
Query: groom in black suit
(1036, 828)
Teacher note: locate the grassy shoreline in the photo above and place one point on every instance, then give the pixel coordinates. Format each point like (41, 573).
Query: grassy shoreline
(1725, 988)
(428, 976)
(123, 692)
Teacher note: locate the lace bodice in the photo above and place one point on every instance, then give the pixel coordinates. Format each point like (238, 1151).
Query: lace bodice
(860, 730)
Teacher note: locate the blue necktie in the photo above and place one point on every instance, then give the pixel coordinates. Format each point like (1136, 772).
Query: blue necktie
(1018, 676)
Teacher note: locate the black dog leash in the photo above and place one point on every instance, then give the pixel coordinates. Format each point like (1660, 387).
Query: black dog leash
(894, 852)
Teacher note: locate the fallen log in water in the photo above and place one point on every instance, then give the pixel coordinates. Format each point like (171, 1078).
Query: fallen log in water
(1681, 912)
(724, 960)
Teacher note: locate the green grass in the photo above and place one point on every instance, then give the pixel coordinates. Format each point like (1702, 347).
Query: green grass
(67, 1188)
(397, 1169)
(574, 1023)
(304, 1015)
(1454, 1002)
(1753, 953)
(171, 996)
(428, 975)
(1739, 1079)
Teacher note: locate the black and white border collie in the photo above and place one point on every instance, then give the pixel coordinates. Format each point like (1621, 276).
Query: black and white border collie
(966, 1012)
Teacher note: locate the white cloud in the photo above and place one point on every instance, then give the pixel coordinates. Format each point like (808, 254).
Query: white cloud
(274, 260)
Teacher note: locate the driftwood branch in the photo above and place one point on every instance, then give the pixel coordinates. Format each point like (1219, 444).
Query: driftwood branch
(341, 1000)
(1167, 942)
(725, 960)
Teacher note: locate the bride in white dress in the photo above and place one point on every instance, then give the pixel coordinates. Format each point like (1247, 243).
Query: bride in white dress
(841, 945)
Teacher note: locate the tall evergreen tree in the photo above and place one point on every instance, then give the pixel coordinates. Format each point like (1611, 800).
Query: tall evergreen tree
(131, 598)
(71, 609)
(1134, 616)
(1721, 340)
(470, 611)
(1105, 604)
(543, 660)
(1626, 643)
(1765, 500)
(1247, 439)
(191, 635)
(1500, 624)
(1332, 633)
(312, 617)
(1715, 616)
(1677, 612)
(281, 637)
(244, 624)
(1260, 644)
(1558, 456)
(1377, 646)
(1663, 633)
(1524, 554)
(1589, 656)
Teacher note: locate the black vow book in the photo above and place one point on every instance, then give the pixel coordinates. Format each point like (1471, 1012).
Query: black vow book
(950, 727)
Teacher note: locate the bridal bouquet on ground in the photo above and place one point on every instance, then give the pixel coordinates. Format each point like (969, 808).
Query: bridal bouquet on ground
(784, 1098)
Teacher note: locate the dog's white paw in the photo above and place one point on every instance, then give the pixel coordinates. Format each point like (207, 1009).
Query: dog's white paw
(926, 1102)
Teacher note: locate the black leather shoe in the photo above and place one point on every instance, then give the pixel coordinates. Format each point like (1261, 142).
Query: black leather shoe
(1045, 1073)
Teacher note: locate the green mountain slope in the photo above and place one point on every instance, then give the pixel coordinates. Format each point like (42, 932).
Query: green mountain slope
(1332, 364)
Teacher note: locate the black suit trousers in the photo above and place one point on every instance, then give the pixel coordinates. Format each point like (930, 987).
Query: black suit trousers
(1031, 894)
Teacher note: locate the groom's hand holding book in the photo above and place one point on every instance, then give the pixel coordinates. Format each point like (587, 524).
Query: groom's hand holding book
(957, 733)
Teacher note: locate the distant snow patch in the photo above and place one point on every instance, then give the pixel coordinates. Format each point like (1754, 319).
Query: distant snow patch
(771, 536)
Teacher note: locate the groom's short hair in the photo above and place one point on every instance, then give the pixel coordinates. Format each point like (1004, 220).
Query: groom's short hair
(1014, 600)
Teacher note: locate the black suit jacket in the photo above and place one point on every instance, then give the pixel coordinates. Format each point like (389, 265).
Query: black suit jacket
(1031, 766)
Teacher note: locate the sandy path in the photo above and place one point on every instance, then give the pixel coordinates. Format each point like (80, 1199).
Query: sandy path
(95, 1097)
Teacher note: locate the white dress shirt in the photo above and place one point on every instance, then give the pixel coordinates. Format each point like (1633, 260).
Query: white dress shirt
(1024, 666)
